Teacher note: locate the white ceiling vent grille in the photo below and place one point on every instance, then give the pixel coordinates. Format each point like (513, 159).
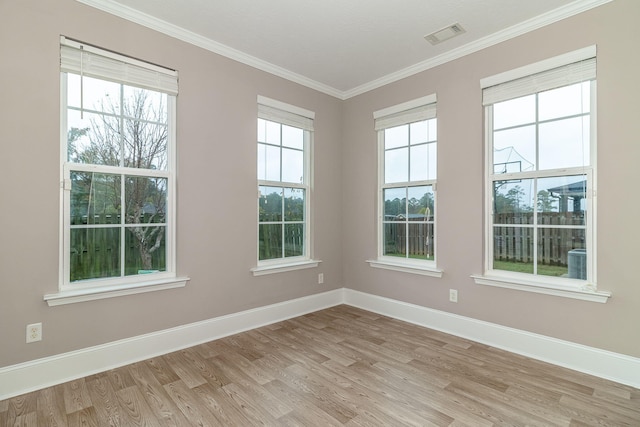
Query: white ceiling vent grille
(445, 34)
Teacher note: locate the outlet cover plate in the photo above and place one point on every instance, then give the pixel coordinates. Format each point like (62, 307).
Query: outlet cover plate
(34, 332)
(453, 295)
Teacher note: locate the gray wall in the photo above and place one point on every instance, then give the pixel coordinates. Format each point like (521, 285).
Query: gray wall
(217, 185)
(611, 326)
(217, 193)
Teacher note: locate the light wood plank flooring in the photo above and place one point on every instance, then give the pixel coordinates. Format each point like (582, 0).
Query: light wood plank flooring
(339, 366)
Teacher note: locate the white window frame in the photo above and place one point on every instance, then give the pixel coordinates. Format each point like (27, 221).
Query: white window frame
(86, 60)
(291, 115)
(559, 71)
(419, 109)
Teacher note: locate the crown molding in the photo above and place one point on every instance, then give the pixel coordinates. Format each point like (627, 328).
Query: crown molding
(180, 33)
(540, 21)
(190, 37)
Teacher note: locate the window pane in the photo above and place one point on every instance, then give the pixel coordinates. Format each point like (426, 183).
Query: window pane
(514, 150)
(145, 144)
(145, 200)
(564, 101)
(513, 249)
(293, 204)
(262, 162)
(94, 253)
(564, 143)
(395, 204)
(432, 161)
(144, 137)
(396, 137)
(270, 204)
(293, 240)
(514, 112)
(268, 162)
(262, 130)
(513, 202)
(95, 198)
(77, 136)
(420, 207)
(418, 132)
(562, 200)
(420, 240)
(419, 166)
(433, 130)
(99, 95)
(395, 235)
(145, 250)
(423, 162)
(396, 165)
(94, 138)
(144, 104)
(420, 203)
(292, 166)
(561, 252)
(292, 137)
(272, 131)
(269, 241)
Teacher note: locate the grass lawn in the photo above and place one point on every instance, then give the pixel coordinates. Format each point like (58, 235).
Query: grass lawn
(527, 267)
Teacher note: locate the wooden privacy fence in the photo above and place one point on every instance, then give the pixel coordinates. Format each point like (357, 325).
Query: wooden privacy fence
(515, 243)
(95, 251)
(419, 239)
(271, 244)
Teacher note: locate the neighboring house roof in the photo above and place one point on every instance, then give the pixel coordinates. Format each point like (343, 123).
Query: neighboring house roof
(575, 189)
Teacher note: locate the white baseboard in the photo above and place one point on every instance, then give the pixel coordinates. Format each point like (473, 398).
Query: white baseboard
(604, 364)
(49, 371)
(41, 373)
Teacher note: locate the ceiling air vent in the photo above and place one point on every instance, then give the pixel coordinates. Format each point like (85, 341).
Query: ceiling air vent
(444, 34)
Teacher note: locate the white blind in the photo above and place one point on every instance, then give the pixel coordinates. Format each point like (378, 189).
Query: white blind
(408, 112)
(87, 60)
(281, 112)
(576, 72)
(409, 116)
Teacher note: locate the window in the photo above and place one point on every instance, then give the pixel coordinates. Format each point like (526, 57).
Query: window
(540, 137)
(407, 140)
(118, 170)
(284, 194)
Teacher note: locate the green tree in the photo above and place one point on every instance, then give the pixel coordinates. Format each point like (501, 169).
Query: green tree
(513, 201)
(546, 202)
(395, 207)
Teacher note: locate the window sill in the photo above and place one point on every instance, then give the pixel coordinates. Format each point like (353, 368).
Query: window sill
(90, 294)
(262, 270)
(546, 288)
(406, 267)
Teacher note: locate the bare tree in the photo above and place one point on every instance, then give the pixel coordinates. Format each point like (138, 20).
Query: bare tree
(133, 137)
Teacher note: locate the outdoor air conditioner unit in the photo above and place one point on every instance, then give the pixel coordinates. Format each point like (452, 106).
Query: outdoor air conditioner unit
(577, 261)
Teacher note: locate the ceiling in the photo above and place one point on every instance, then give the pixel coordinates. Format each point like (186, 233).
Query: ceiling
(342, 47)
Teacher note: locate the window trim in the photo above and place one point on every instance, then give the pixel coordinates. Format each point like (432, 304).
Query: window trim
(423, 108)
(149, 77)
(405, 266)
(564, 287)
(290, 115)
(102, 292)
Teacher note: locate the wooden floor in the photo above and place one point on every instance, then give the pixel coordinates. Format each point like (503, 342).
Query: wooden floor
(339, 366)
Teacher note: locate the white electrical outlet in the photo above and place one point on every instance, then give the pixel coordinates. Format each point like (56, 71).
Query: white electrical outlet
(320, 278)
(453, 295)
(34, 332)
